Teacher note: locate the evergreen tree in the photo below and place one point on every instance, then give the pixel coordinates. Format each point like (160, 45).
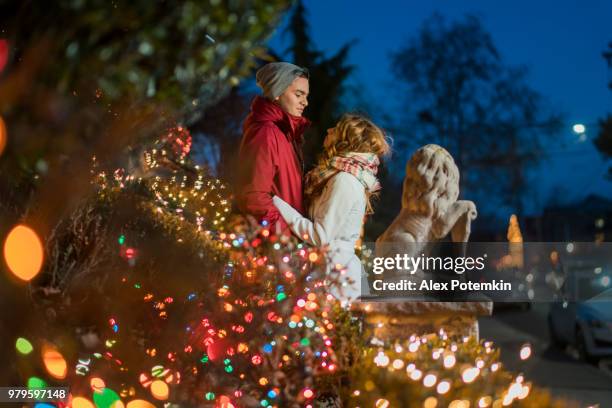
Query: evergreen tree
(328, 76)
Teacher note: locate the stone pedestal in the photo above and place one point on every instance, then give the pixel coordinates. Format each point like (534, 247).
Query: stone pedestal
(399, 320)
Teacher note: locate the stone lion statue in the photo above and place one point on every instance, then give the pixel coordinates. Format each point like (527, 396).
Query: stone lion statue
(430, 209)
(430, 212)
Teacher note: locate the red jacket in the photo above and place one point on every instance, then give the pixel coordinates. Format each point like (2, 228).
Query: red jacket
(270, 161)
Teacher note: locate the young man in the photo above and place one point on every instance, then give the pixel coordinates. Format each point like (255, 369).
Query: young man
(270, 157)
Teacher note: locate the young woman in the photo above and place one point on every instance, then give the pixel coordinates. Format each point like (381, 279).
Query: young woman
(337, 194)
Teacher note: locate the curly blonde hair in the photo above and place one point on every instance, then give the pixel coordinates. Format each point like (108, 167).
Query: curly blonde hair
(354, 134)
(432, 181)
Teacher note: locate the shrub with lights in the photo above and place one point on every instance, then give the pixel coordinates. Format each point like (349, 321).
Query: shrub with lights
(155, 293)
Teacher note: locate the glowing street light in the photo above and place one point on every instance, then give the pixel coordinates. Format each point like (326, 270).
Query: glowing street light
(579, 128)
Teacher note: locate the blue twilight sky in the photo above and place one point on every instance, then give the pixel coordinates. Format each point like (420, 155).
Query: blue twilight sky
(561, 42)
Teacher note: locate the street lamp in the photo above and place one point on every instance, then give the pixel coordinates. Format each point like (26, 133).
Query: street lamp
(579, 128)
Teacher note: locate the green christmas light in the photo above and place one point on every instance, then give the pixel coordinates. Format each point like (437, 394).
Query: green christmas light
(106, 398)
(210, 396)
(281, 296)
(23, 346)
(157, 371)
(305, 341)
(204, 359)
(35, 382)
(121, 240)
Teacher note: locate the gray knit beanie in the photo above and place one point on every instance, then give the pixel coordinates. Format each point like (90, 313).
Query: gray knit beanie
(275, 77)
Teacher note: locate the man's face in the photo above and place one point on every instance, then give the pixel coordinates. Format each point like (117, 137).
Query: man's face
(295, 98)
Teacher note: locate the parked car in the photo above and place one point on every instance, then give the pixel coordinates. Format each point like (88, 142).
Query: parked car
(583, 316)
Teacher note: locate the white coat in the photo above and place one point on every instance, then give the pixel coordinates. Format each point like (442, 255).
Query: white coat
(337, 217)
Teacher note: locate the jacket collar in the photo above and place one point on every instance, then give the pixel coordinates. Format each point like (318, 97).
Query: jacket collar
(264, 110)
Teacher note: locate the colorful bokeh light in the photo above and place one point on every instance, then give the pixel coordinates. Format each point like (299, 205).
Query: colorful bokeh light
(23, 252)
